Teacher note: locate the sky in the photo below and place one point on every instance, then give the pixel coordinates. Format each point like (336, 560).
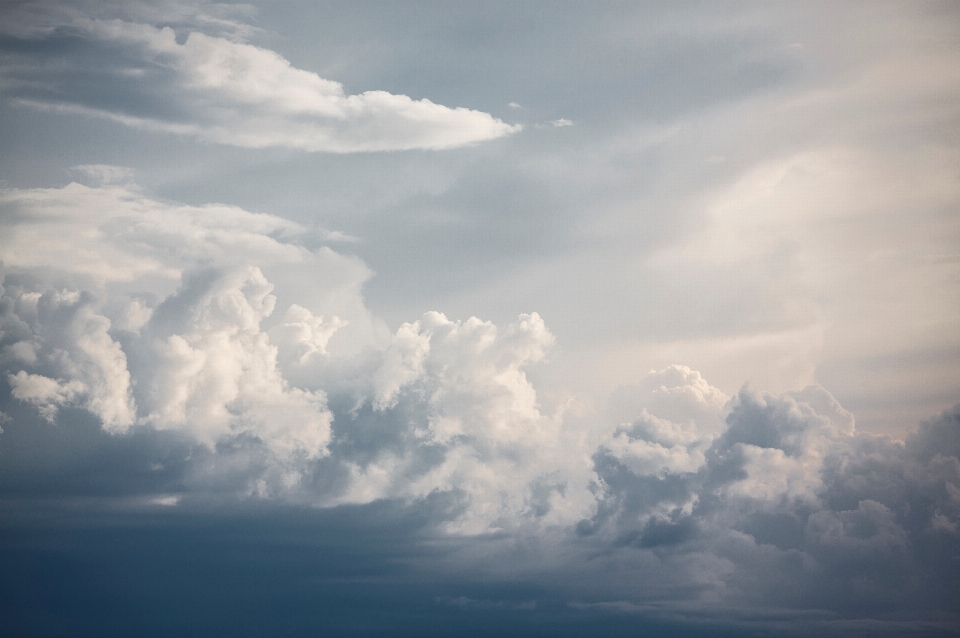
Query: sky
(521, 319)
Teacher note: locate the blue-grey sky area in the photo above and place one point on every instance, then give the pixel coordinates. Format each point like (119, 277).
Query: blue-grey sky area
(431, 319)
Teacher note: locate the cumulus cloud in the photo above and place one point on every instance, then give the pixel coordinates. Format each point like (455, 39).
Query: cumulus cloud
(186, 350)
(481, 421)
(62, 337)
(771, 453)
(673, 418)
(183, 361)
(786, 496)
(207, 368)
(151, 320)
(226, 91)
(116, 235)
(45, 393)
(302, 336)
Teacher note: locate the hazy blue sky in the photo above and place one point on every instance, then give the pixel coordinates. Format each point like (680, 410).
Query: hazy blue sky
(504, 318)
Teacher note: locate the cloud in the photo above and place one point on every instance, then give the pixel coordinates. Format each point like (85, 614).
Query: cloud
(787, 484)
(82, 326)
(45, 393)
(192, 392)
(559, 123)
(224, 91)
(302, 336)
(114, 233)
(206, 368)
(173, 356)
(61, 336)
(800, 229)
(674, 417)
(480, 417)
(151, 315)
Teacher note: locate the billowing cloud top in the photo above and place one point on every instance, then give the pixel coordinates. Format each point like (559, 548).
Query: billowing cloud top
(223, 91)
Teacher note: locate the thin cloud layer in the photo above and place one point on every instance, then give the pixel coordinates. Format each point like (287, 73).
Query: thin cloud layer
(220, 90)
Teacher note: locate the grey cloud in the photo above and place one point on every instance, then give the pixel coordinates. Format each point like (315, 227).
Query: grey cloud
(68, 354)
(872, 528)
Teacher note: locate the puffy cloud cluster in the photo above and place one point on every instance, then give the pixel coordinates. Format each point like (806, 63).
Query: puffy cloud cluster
(480, 430)
(62, 353)
(784, 505)
(200, 363)
(771, 453)
(673, 417)
(155, 319)
(222, 90)
(147, 314)
(208, 368)
(114, 239)
(153, 315)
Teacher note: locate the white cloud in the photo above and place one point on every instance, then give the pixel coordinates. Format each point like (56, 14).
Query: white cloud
(301, 336)
(213, 373)
(558, 123)
(667, 422)
(69, 342)
(230, 92)
(674, 484)
(45, 393)
(513, 462)
(402, 364)
(115, 233)
(226, 359)
(201, 363)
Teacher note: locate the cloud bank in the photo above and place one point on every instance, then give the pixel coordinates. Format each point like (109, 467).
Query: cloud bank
(146, 319)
